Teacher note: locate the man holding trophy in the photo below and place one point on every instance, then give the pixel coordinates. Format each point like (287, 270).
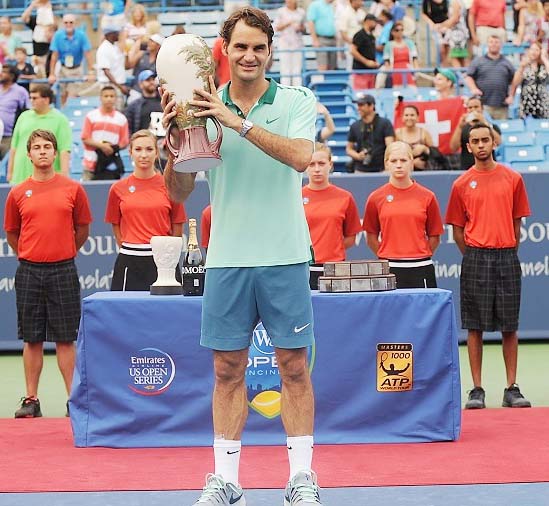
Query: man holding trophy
(259, 249)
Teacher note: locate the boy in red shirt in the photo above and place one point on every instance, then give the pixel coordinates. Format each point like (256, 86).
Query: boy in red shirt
(485, 208)
(46, 220)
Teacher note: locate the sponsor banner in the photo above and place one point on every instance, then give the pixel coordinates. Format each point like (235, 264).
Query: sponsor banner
(96, 258)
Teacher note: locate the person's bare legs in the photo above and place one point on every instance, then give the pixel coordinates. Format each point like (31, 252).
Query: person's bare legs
(33, 361)
(510, 354)
(66, 356)
(474, 347)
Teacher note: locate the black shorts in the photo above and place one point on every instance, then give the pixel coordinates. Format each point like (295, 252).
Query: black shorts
(48, 301)
(490, 289)
(135, 273)
(414, 273)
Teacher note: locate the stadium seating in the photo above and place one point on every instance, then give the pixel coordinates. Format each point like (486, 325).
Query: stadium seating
(531, 166)
(523, 154)
(536, 124)
(519, 139)
(511, 125)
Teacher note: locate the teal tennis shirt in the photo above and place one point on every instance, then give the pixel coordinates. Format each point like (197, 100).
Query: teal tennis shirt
(257, 209)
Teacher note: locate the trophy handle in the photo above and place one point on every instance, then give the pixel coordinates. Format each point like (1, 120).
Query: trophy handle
(216, 145)
(173, 150)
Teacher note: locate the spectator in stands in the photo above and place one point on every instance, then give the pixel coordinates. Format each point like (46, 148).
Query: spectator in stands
(485, 209)
(25, 71)
(417, 138)
(111, 67)
(385, 20)
(406, 216)
(397, 11)
(435, 14)
(322, 27)
(530, 20)
(47, 220)
(328, 127)
(486, 18)
(544, 31)
(14, 99)
(179, 30)
(105, 129)
(331, 212)
(490, 77)
(363, 52)
(205, 226)
(141, 112)
(8, 40)
(142, 56)
(222, 70)
(70, 47)
(43, 27)
(400, 53)
(115, 13)
(138, 208)
(349, 22)
(290, 26)
(460, 136)
(135, 29)
(368, 137)
(445, 83)
(533, 78)
(44, 116)
(458, 34)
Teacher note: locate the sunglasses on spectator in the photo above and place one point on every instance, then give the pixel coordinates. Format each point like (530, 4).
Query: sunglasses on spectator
(398, 30)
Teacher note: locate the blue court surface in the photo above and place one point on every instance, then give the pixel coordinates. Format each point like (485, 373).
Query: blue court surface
(523, 494)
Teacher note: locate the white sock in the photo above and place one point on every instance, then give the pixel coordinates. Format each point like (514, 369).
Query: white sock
(300, 454)
(227, 459)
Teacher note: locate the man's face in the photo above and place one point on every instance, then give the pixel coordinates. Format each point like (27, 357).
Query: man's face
(481, 144)
(365, 109)
(38, 102)
(545, 9)
(248, 52)
(494, 45)
(42, 154)
(68, 23)
(4, 24)
(369, 25)
(474, 105)
(148, 86)
(108, 99)
(7, 76)
(356, 4)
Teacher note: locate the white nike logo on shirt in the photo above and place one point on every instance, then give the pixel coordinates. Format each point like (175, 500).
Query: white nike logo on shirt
(299, 329)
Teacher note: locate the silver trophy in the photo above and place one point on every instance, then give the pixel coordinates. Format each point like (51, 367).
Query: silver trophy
(166, 252)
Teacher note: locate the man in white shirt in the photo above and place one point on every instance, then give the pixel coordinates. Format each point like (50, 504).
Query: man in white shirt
(349, 22)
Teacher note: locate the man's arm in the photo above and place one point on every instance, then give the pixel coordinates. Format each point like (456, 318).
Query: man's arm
(179, 184)
(349, 241)
(81, 233)
(53, 62)
(459, 237)
(472, 28)
(13, 240)
(434, 241)
(117, 234)
(455, 140)
(295, 153)
(65, 162)
(470, 82)
(89, 62)
(11, 162)
(122, 87)
(373, 242)
(372, 64)
(516, 226)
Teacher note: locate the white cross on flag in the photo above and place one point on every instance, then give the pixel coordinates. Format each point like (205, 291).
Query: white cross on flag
(439, 117)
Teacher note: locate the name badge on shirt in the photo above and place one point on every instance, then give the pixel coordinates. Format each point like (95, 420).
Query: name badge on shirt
(69, 61)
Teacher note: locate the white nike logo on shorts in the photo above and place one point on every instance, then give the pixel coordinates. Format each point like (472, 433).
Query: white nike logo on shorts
(299, 329)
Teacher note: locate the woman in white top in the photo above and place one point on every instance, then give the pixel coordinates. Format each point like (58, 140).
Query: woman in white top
(290, 25)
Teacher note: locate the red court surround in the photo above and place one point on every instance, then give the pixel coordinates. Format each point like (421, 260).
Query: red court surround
(497, 446)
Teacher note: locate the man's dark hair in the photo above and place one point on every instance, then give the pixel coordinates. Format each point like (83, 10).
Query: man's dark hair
(476, 126)
(42, 134)
(256, 18)
(44, 90)
(106, 88)
(10, 69)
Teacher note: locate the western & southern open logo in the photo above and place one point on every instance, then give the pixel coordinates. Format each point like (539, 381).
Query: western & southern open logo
(151, 371)
(262, 375)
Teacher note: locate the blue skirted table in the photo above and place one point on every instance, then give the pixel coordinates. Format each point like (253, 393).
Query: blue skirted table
(385, 369)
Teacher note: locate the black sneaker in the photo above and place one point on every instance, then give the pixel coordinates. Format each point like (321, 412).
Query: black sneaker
(67, 413)
(30, 408)
(476, 399)
(512, 398)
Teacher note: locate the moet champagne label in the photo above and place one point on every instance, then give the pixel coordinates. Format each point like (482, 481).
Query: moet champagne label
(395, 367)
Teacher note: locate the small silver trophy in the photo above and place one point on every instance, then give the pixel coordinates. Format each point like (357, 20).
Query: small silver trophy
(166, 252)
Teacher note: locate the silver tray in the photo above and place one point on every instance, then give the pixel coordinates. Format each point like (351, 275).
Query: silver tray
(357, 284)
(357, 268)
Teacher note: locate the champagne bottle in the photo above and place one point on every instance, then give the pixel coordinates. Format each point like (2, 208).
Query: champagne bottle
(193, 264)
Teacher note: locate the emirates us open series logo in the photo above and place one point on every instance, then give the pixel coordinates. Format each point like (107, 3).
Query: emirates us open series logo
(151, 371)
(262, 375)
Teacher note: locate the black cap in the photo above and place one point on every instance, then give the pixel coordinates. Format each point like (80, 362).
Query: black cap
(364, 99)
(371, 17)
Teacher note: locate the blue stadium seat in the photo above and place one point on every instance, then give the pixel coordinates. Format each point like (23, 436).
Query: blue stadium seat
(4, 169)
(340, 107)
(340, 163)
(340, 134)
(519, 139)
(337, 147)
(330, 85)
(344, 120)
(542, 138)
(524, 154)
(531, 166)
(537, 124)
(510, 125)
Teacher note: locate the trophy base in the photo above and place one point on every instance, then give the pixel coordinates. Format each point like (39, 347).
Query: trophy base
(167, 290)
(200, 163)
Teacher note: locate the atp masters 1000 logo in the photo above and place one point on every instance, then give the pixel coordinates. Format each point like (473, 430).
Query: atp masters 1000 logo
(395, 367)
(151, 371)
(262, 376)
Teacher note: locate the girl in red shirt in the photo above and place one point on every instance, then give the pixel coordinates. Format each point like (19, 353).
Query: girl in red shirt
(139, 208)
(331, 212)
(403, 223)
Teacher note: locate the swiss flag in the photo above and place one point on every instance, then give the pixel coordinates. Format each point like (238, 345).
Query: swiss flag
(439, 117)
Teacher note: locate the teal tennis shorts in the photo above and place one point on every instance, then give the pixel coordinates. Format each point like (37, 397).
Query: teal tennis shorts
(237, 298)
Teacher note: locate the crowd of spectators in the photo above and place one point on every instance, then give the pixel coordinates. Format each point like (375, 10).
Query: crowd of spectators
(373, 40)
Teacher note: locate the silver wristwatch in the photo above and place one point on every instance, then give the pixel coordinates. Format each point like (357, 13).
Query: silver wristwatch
(247, 125)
